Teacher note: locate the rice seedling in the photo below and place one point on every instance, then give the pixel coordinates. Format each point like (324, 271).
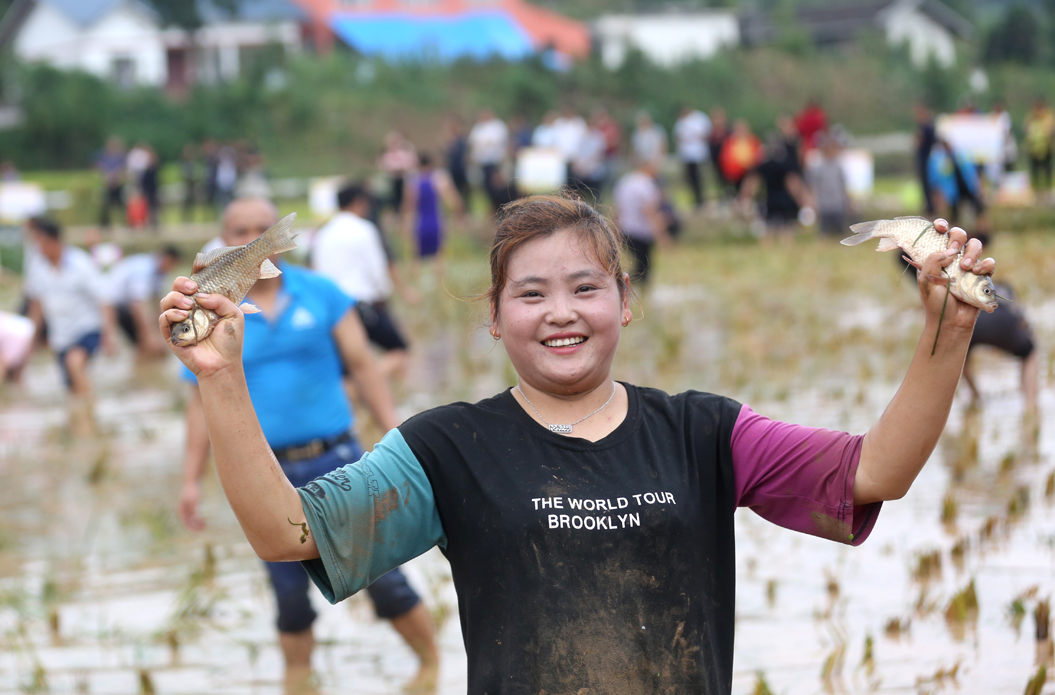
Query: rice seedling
(868, 659)
(832, 586)
(833, 663)
(1016, 612)
(1035, 685)
(761, 686)
(1007, 463)
(1019, 504)
(928, 566)
(1042, 619)
(949, 509)
(771, 592)
(38, 681)
(939, 677)
(146, 683)
(924, 606)
(989, 528)
(959, 551)
(963, 606)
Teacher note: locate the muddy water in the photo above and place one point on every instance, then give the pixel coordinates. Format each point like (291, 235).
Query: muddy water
(101, 591)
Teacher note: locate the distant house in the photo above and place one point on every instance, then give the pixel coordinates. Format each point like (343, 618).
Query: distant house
(446, 29)
(666, 38)
(123, 40)
(929, 28)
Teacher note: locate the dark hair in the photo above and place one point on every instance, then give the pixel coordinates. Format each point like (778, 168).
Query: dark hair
(172, 251)
(349, 194)
(540, 216)
(46, 226)
(425, 159)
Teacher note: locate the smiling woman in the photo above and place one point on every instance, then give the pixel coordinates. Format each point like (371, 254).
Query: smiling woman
(592, 556)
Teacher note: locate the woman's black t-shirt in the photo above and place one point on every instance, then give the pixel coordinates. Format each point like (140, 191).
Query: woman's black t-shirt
(603, 567)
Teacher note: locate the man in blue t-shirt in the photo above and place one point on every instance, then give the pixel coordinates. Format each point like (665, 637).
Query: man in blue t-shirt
(293, 353)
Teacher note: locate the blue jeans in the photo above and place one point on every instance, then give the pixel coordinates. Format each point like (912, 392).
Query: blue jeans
(88, 342)
(391, 594)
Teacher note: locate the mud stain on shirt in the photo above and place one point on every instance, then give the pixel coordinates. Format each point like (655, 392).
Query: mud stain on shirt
(385, 504)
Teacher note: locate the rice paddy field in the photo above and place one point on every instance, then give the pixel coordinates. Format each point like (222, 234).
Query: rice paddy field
(102, 590)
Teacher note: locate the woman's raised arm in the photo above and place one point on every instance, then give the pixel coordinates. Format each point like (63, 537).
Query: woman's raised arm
(898, 445)
(266, 504)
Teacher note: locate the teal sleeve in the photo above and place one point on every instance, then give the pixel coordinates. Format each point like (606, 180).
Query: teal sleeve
(370, 517)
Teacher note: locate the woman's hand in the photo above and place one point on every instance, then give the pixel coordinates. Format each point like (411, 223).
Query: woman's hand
(933, 284)
(222, 349)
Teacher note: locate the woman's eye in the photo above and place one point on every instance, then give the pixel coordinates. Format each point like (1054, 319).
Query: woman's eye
(585, 288)
(531, 294)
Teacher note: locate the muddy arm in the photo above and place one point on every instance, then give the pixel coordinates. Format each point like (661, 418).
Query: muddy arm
(897, 446)
(261, 496)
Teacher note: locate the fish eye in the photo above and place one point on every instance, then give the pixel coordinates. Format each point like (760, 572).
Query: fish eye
(987, 290)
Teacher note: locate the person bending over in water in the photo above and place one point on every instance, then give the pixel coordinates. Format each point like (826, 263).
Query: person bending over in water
(588, 522)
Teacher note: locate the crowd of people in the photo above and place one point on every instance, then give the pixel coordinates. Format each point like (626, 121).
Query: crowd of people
(724, 166)
(212, 174)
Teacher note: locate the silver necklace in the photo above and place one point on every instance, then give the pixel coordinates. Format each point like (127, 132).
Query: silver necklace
(565, 429)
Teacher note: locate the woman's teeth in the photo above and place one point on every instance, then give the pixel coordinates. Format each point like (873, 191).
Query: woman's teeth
(562, 342)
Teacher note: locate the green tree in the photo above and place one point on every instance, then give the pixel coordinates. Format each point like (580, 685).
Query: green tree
(1016, 38)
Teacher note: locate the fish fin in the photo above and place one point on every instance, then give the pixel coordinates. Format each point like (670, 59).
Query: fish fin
(863, 231)
(912, 217)
(248, 308)
(268, 270)
(887, 244)
(204, 260)
(281, 237)
(912, 263)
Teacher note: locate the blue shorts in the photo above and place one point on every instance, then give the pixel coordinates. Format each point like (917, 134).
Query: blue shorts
(391, 594)
(88, 342)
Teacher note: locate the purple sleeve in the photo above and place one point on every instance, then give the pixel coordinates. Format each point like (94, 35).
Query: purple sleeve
(801, 478)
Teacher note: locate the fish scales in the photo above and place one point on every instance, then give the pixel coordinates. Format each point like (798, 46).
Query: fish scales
(232, 272)
(235, 273)
(918, 239)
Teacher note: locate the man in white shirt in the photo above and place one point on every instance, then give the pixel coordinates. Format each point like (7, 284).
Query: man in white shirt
(637, 199)
(136, 284)
(348, 250)
(568, 132)
(488, 144)
(649, 141)
(67, 293)
(690, 134)
(543, 136)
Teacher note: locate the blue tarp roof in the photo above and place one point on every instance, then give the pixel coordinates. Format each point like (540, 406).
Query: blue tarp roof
(446, 37)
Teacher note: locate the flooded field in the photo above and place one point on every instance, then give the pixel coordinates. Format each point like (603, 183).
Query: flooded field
(102, 591)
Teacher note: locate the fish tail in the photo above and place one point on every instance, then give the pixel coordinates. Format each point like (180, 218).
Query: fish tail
(281, 237)
(863, 231)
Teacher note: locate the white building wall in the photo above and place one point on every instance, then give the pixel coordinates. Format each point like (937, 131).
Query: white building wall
(125, 33)
(49, 36)
(666, 39)
(924, 37)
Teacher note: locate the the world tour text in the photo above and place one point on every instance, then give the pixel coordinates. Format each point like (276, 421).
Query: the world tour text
(603, 505)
